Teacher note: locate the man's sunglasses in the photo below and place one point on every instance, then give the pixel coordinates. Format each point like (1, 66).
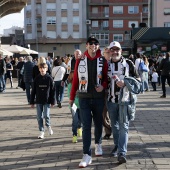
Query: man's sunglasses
(95, 43)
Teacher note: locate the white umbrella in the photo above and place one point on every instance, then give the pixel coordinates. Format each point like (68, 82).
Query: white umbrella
(27, 51)
(5, 52)
(14, 48)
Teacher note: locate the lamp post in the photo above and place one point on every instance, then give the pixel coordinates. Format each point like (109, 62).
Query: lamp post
(29, 46)
(134, 42)
(36, 34)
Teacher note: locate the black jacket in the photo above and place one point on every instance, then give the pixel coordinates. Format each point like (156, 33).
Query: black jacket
(43, 89)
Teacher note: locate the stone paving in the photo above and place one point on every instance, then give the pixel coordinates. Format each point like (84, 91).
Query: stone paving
(148, 148)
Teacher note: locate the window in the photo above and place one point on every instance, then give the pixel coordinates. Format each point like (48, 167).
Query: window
(76, 35)
(105, 24)
(106, 11)
(28, 21)
(51, 34)
(51, 20)
(54, 48)
(167, 24)
(76, 20)
(95, 23)
(118, 37)
(64, 20)
(117, 23)
(28, 8)
(133, 9)
(76, 46)
(102, 37)
(133, 22)
(63, 6)
(64, 35)
(145, 9)
(29, 35)
(167, 11)
(75, 6)
(51, 6)
(94, 10)
(118, 9)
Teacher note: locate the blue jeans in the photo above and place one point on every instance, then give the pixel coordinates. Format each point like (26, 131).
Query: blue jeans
(59, 91)
(119, 128)
(91, 108)
(76, 121)
(2, 83)
(28, 86)
(43, 111)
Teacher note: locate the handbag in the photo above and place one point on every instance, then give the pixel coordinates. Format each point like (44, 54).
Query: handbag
(142, 67)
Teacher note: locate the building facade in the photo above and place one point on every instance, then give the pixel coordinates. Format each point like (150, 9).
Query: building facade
(112, 19)
(56, 26)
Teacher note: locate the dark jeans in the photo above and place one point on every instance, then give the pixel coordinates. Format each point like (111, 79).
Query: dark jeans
(154, 86)
(59, 91)
(28, 86)
(91, 109)
(2, 83)
(163, 79)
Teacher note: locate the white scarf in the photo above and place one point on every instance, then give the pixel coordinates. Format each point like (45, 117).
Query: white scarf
(121, 71)
(83, 73)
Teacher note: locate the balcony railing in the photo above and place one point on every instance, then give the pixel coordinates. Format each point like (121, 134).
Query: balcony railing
(99, 14)
(98, 1)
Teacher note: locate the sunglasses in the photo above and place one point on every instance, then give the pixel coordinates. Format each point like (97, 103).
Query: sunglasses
(95, 43)
(114, 49)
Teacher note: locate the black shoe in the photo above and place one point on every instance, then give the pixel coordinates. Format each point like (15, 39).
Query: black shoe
(59, 105)
(163, 96)
(114, 151)
(106, 137)
(121, 158)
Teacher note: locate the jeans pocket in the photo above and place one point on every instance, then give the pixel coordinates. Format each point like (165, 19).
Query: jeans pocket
(131, 111)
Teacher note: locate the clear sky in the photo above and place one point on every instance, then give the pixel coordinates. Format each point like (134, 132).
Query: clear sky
(15, 19)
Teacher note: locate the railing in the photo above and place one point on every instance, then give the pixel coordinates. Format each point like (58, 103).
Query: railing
(99, 14)
(98, 1)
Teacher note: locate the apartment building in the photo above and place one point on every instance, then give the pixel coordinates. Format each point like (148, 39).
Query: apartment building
(112, 20)
(57, 26)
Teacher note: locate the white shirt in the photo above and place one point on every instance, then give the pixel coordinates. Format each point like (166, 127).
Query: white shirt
(58, 73)
(137, 61)
(155, 77)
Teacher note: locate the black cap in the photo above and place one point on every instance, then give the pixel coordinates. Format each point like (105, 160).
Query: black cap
(92, 38)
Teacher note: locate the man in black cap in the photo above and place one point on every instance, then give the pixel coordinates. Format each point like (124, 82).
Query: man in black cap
(91, 98)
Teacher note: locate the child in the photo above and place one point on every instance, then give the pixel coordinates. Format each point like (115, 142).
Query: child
(154, 79)
(43, 91)
(76, 122)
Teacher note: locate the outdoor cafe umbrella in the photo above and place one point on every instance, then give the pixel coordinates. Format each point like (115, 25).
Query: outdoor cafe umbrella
(14, 48)
(5, 52)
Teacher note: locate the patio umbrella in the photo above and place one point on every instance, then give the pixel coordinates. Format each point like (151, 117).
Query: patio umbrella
(14, 48)
(5, 52)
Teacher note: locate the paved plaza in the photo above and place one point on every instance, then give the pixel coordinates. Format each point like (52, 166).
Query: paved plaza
(148, 148)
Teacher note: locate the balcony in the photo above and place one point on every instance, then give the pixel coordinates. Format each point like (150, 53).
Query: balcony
(99, 15)
(99, 2)
(38, 1)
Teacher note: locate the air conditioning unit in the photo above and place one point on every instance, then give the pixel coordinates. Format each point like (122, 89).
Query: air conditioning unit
(88, 22)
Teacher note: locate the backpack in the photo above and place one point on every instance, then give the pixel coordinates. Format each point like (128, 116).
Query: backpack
(142, 67)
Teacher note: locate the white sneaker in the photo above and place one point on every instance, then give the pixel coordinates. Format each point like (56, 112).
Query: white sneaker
(86, 160)
(98, 150)
(41, 135)
(50, 131)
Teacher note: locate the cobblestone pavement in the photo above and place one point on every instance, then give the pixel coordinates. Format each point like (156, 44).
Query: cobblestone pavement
(148, 148)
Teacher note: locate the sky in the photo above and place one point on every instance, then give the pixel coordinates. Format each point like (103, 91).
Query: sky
(15, 19)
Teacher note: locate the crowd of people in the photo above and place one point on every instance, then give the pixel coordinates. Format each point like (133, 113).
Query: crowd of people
(102, 87)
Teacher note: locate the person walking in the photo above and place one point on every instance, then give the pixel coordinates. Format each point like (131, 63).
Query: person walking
(58, 73)
(75, 110)
(165, 73)
(2, 74)
(27, 74)
(106, 119)
(89, 81)
(154, 79)
(44, 93)
(119, 69)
